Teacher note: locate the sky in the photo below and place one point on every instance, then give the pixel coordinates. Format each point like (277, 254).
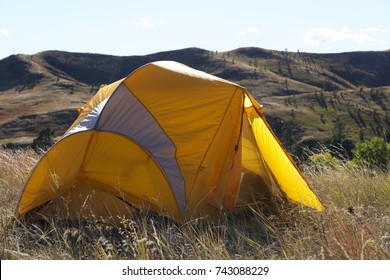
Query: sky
(120, 27)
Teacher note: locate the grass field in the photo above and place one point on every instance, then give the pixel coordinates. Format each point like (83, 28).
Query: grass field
(355, 225)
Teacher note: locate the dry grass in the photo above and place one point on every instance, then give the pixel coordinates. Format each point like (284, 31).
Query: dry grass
(355, 225)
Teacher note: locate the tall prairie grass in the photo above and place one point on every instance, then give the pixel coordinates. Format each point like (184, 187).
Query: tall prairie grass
(354, 225)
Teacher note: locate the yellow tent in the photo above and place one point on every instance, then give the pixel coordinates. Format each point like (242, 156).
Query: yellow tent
(167, 138)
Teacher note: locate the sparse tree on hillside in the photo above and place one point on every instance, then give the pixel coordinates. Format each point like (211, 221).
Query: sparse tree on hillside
(255, 73)
(322, 118)
(44, 140)
(321, 99)
(339, 138)
(361, 135)
(289, 69)
(338, 132)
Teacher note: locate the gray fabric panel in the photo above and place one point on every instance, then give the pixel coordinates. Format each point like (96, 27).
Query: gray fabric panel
(90, 120)
(124, 114)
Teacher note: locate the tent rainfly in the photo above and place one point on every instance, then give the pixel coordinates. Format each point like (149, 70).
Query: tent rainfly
(168, 138)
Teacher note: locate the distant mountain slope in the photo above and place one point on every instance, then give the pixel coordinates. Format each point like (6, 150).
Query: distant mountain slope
(303, 94)
(368, 69)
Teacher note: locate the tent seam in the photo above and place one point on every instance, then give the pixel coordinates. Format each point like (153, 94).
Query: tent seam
(175, 157)
(212, 140)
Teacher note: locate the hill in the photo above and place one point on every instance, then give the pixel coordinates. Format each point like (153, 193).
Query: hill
(307, 98)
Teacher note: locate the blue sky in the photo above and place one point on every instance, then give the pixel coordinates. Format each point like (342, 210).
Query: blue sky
(120, 27)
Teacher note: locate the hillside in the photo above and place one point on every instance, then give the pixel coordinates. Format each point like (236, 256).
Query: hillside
(305, 96)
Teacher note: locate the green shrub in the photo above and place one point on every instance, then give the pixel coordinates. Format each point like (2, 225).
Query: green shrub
(373, 153)
(44, 140)
(323, 160)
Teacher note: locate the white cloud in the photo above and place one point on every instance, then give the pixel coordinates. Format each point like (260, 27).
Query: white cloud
(145, 23)
(5, 32)
(374, 30)
(320, 35)
(250, 30)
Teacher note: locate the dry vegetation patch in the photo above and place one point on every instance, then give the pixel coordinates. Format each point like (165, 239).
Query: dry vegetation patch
(355, 225)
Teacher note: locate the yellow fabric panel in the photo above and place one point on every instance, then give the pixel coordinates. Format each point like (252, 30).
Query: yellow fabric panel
(189, 111)
(117, 165)
(250, 156)
(251, 102)
(218, 179)
(54, 173)
(258, 111)
(102, 94)
(232, 189)
(101, 160)
(248, 101)
(252, 159)
(287, 175)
